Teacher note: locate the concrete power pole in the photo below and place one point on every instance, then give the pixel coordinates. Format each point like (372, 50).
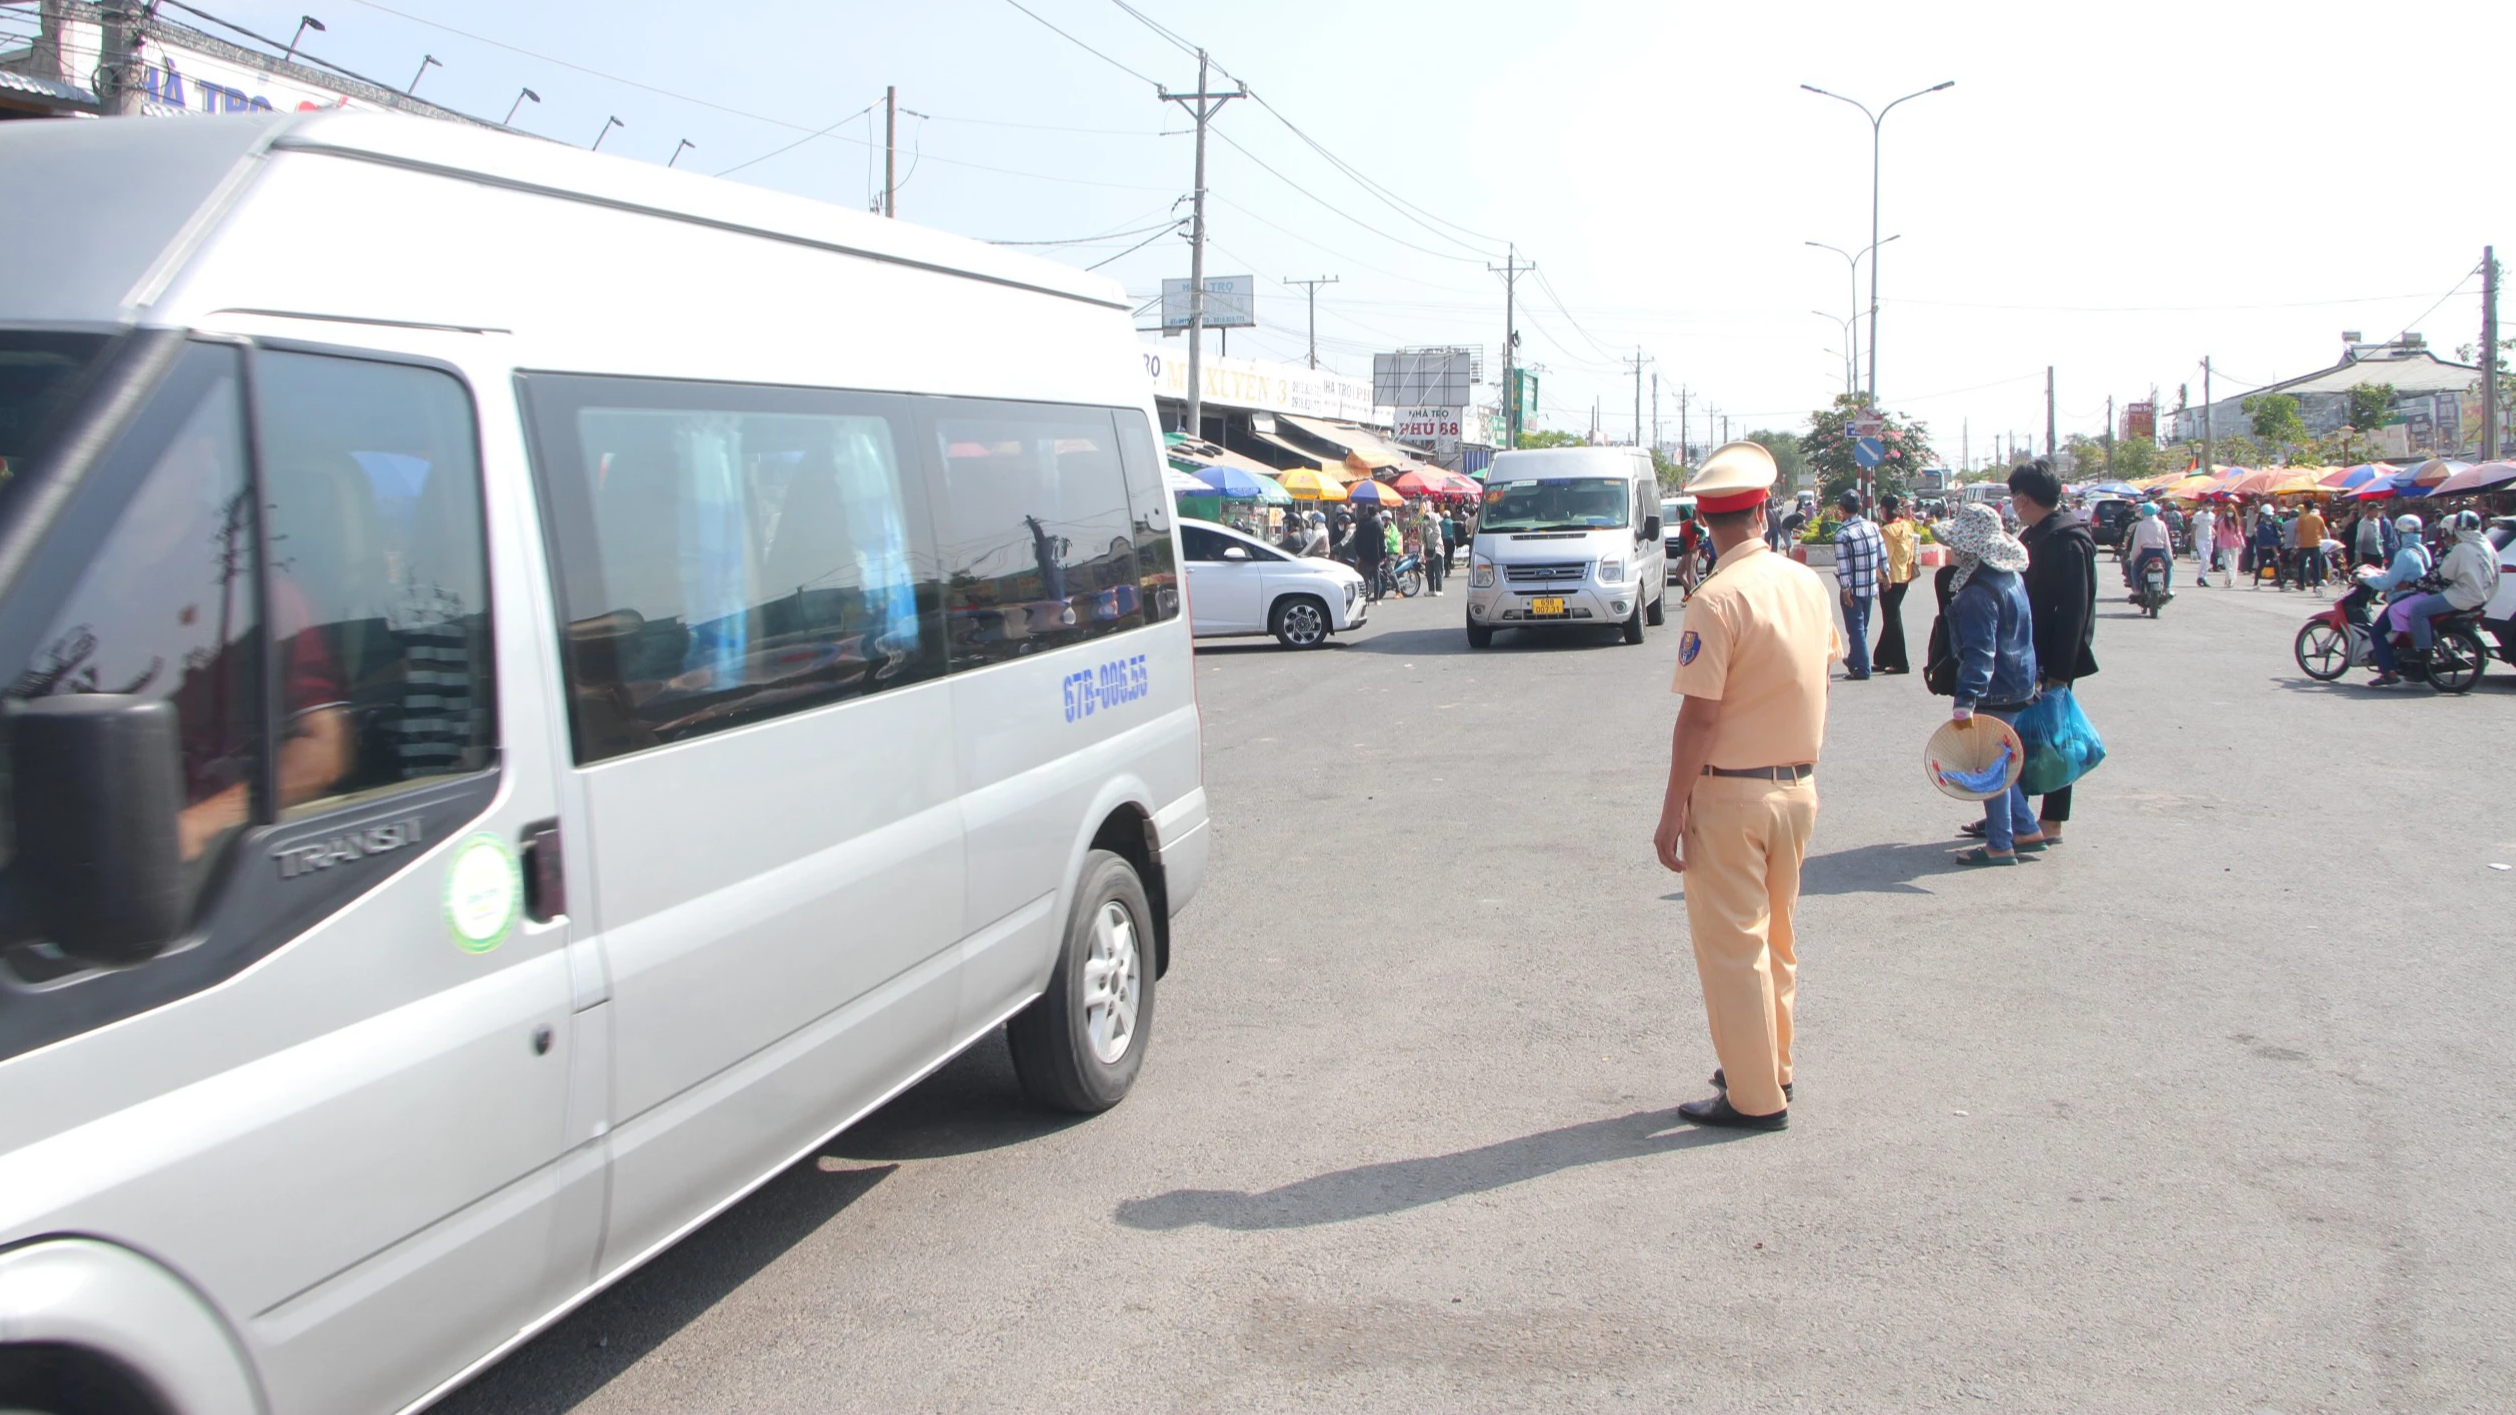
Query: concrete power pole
(1511, 269)
(2109, 434)
(1655, 410)
(1311, 289)
(118, 79)
(2205, 414)
(1638, 360)
(890, 152)
(1685, 454)
(2049, 444)
(1203, 106)
(2489, 354)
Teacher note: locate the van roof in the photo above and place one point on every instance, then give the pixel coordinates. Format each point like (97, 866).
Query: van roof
(1564, 461)
(103, 214)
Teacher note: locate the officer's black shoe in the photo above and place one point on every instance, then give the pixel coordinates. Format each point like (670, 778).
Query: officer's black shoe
(1716, 1110)
(1721, 1083)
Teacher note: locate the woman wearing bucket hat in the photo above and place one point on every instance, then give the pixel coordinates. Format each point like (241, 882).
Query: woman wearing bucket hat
(1992, 634)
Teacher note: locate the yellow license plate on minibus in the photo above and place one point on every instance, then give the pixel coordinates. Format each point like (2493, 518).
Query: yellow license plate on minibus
(1546, 607)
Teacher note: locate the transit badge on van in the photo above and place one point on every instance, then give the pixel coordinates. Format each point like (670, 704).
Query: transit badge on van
(484, 891)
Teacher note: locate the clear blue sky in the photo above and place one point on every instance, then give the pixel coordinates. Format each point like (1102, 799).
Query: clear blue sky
(2114, 190)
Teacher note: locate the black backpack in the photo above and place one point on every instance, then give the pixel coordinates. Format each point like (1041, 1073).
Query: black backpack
(1939, 659)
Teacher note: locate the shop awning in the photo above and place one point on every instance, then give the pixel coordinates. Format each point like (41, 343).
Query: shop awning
(1302, 456)
(1357, 441)
(1196, 454)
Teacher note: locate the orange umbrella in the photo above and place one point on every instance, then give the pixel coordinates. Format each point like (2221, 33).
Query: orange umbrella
(1312, 484)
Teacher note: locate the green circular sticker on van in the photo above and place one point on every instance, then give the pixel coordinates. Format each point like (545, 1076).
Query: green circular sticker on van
(484, 891)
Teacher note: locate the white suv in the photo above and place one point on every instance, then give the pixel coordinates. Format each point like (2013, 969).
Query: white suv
(1238, 584)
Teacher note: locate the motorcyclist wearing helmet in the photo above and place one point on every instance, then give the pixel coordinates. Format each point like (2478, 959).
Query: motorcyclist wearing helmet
(2471, 572)
(2149, 538)
(2411, 565)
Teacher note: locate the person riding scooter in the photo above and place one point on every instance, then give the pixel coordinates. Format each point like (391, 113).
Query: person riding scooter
(2396, 582)
(2471, 572)
(2149, 538)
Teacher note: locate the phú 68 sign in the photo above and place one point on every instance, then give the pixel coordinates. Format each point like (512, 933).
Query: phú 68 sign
(1427, 424)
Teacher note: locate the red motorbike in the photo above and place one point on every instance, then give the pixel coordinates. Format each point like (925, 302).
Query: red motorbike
(2342, 637)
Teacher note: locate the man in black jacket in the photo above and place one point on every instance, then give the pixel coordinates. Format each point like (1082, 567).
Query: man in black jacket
(2061, 582)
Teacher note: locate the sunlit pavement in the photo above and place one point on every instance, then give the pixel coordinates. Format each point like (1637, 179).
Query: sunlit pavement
(2207, 1110)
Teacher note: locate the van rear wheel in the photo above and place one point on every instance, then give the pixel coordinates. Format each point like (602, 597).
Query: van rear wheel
(1079, 1045)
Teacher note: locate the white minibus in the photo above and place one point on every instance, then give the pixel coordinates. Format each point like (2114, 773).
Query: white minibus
(1567, 537)
(540, 688)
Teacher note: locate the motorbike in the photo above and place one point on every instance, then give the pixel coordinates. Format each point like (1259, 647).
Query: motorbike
(2152, 594)
(2342, 637)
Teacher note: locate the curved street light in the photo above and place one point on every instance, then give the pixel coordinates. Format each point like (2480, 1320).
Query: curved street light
(1876, 120)
(520, 95)
(1852, 275)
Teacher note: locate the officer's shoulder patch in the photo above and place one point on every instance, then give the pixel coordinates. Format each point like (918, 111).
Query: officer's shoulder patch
(1689, 644)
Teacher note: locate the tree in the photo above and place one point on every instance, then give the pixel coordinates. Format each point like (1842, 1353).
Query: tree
(2137, 457)
(1532, 438)
(2275, 419)
(2088, 459)
(1670, 471)
(1828, 447)
(2370, 405)
(1785, 448)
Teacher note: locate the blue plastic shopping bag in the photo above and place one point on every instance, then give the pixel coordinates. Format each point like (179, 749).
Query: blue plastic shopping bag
(2062, 744)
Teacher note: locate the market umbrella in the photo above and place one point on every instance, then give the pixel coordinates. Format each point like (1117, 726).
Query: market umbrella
(1237, 485)
(1183, 484)
(2113, 488)
(2352, 478)
(2432, 474)
(2297, 481)
(2480, 478)
(1421, 484)
(1311, 484)
(2189, 486)
(1376, 491)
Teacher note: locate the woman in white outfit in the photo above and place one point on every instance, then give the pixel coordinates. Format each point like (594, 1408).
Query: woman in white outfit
(2205, 537)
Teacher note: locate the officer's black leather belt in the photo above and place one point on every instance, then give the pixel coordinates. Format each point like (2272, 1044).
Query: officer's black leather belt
(1802, 772)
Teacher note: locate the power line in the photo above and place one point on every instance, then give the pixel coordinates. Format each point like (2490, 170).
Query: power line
(799, 142)
(1140, 245)
(1332, 206)
(1079, 44)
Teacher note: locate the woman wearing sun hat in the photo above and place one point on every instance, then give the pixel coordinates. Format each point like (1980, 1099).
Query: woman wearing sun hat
(1992, 633)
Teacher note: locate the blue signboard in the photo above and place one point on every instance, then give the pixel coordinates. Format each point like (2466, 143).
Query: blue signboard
(1869, 451)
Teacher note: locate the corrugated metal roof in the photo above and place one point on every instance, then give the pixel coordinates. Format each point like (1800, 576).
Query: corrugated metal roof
(1360, 441)
(53, 89)
(2420, 373)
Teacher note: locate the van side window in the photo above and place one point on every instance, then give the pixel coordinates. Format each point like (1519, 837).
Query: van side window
(379, 581)
(726, 555)
(1035, 528)
(167, 607)
(1149, 502)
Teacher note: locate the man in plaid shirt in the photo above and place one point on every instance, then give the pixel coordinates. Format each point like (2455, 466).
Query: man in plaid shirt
(1860, 552)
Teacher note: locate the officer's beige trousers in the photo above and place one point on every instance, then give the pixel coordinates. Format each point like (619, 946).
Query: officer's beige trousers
(1744, 840)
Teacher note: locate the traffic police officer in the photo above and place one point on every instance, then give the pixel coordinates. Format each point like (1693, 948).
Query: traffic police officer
(1742, 793)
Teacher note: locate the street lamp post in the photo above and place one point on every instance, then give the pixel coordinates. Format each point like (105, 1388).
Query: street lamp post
(1877, 119)
(520, 95)
(304, 23)
(608, 125)
(1849, 323)
(1852, 278)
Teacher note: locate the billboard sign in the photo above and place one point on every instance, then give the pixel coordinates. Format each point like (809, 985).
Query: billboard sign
(2140, 420)
(1423, 378)
(1231, 303)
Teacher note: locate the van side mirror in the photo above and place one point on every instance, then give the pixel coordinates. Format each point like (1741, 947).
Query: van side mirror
(97, 780)
(1650, 528)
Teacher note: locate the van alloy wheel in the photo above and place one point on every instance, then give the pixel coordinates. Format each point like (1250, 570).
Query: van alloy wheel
(1112, 977)
(1079, 1045)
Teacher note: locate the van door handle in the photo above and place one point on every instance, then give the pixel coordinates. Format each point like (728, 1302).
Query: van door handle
(545, 873)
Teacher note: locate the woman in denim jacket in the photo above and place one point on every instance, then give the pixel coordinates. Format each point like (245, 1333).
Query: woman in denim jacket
(1993, 636)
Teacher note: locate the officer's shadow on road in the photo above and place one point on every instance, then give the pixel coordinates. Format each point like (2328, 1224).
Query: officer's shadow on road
(1395, 1186)
(1878, 869)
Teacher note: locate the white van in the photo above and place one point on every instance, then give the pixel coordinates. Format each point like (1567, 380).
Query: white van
(541, 687)
(1567, 537)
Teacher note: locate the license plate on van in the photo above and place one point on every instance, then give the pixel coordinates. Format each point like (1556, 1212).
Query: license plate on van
(1546, 606)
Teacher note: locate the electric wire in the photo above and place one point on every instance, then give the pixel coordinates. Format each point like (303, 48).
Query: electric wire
(1131, 250)
(1079, 44)
(799, 142)
(1340, 211)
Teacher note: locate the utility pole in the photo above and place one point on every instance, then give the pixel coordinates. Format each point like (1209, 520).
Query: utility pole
(1203, 106)
(891, 151)
(1511, 269)
(1685, 454)
(2489, 354)
(1655, 410)
(1311, 288)
(2205, 414)
(118, 77)
(2049, 444)
(2109, 434)
(1638, 360)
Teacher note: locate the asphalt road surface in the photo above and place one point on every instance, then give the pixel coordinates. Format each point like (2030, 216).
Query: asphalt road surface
(2207, 1110)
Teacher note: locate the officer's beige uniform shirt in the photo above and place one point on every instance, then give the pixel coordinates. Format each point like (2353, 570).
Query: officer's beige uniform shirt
(1758, 636)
